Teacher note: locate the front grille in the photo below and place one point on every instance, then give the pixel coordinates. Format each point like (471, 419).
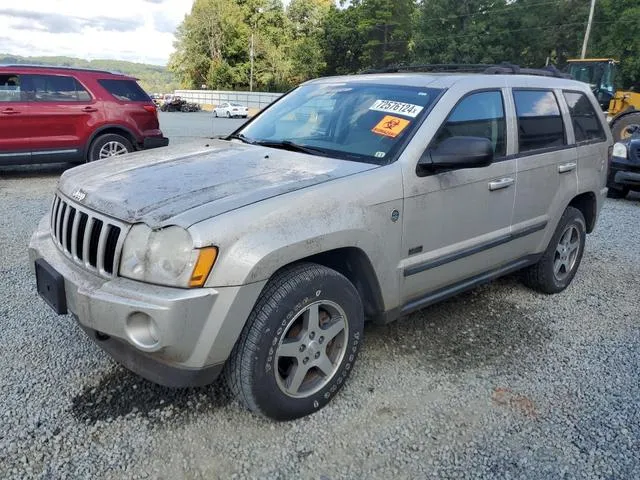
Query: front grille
(634, 151)
(89, 239)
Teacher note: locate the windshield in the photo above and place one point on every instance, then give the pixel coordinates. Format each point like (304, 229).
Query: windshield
(599, 75)
(364, 122)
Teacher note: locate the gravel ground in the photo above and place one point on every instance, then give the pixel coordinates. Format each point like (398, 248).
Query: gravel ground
(499, 382)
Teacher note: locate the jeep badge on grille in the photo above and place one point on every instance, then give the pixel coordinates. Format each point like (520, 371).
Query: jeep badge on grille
(79, 195)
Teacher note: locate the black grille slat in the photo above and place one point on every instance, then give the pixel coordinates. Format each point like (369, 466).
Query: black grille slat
(82, 225)
(60, 222)
(93, 242)
(72, 216)
(110, 249)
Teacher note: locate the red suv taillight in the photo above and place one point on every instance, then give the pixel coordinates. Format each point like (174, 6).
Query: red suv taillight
(151, 109)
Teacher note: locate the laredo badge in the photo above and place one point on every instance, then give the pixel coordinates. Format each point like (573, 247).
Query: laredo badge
(390, 126)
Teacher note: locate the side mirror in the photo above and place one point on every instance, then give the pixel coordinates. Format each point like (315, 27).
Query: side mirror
(459, 152)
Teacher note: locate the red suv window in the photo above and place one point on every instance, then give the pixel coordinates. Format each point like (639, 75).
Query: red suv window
(125, 90)
(54, 88)
(10, 88)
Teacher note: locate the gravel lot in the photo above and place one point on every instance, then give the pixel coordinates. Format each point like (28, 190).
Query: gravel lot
(499, 382)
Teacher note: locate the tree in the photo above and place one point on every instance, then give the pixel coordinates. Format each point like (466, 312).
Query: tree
(387, 28)
(307, 19)
(341, 41)
(209, 45)
(615, 35)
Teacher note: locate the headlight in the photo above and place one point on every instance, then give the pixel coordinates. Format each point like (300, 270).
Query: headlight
(165, 257)
(620, 150)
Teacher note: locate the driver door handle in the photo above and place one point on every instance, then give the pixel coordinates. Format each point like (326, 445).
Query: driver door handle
(567, 167)
(500, 184)
(10, 111)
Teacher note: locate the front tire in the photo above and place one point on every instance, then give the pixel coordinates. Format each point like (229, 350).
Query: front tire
(228, 114)
(560, 261)
(109, 145)
(299, 343)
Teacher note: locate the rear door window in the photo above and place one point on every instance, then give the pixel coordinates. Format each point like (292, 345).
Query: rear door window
(125, 90)
(540, 124)
(53, 88)
(480, 114)
(586, 122)
(10, 90)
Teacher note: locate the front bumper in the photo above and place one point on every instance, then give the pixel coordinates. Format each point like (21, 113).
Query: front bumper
(171, 336)
(624, 172)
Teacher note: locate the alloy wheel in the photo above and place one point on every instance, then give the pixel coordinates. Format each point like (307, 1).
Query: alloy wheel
(311, 349)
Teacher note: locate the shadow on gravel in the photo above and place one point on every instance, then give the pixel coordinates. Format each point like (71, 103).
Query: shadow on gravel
(474, 329)
(29, 171)
(120, 393)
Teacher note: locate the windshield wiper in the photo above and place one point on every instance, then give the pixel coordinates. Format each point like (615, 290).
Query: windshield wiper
(242, 137)
(289, 145)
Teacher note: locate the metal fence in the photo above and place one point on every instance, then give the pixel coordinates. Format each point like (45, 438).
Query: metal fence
(257, 100)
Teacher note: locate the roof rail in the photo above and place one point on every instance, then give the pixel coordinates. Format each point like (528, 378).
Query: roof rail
(489, 69)
(510, 69)
(55, 67)
(432, 67)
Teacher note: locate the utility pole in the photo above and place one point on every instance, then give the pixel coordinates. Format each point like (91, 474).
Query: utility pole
(251, 57)
(588, 32)
(252, 48)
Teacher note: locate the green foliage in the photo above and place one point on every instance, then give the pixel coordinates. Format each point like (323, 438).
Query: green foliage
(153, 78)
(311, 38)
(617, 35)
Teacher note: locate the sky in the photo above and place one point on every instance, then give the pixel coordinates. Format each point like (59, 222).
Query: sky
(133, 30)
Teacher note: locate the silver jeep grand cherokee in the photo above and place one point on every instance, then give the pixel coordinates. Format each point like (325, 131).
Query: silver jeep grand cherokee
(350, 198)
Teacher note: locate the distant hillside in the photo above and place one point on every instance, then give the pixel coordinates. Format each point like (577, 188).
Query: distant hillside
(153, 78)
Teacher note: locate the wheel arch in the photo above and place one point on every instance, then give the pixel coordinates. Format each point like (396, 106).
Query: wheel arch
(588, 206)
(107, 129)
(354, 264)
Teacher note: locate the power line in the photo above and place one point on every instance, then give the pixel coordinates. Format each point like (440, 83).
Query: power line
(501, 32)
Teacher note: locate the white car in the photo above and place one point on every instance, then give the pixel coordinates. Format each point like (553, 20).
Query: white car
(230, 110)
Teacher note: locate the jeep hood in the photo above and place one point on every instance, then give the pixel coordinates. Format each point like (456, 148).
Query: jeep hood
(165, 186)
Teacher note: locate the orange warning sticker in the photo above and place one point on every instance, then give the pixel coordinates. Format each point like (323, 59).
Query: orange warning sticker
(390, 126)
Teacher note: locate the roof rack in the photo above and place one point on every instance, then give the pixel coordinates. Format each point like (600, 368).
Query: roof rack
(484, 68)
(55, 67)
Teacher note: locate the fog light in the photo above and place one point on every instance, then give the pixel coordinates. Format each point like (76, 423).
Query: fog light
(143, 331)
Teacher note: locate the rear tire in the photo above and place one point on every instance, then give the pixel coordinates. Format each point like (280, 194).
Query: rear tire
(109, 145)
(617, 192)
(299, 343)
(559, 263)
(228, 114)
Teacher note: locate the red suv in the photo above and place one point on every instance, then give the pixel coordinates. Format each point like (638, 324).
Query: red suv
(57, 114)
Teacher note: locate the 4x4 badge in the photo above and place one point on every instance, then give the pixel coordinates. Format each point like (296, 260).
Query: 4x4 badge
(79, 195)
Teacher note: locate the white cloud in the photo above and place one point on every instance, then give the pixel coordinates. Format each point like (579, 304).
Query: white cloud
(134, 30)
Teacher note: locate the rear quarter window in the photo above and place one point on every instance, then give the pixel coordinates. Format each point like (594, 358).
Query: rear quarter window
(586, 124)
(125, 90)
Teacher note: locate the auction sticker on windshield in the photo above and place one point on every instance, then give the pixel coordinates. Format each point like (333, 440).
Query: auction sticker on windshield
(389, 106)
(390, 126)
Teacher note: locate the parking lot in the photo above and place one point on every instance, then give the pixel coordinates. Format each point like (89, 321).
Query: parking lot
(500, 382)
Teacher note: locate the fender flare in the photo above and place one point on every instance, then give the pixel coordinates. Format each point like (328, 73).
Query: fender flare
(96, 133)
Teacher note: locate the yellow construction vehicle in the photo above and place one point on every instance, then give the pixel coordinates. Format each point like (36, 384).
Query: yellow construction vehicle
(622, 106)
